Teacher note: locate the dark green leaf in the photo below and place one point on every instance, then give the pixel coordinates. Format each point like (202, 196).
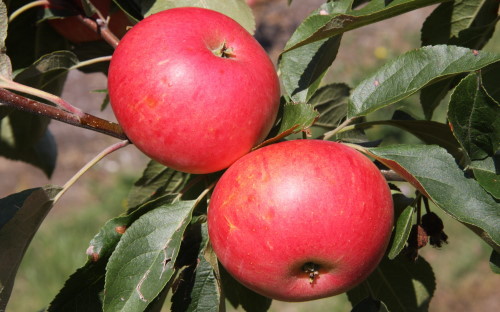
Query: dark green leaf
(82, 291)
(401, 284)
(370, 305)
(475, 118)
(236, 9)
(239, 295)
(197, 289)
(331, 103)
(297, 116)
(25, 137)
(156, 180)
(412, 71)
(430, 132)
(401, 231)
(319, 26)
(458, 23)
(46, 72)
(490, 77)
(15, 236)
(5, 66)
(495, 262)
(143, 261)
(487, 174)
(435, 173)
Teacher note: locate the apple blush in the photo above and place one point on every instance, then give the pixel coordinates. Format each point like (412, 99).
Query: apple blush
(301, 220)
(193, 89)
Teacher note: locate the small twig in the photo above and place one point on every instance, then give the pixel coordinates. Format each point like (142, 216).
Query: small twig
(330, 134)
(100, 27)
(12, 85)
(26, 7)
(91, 163)
(92, 62)
(86, 121)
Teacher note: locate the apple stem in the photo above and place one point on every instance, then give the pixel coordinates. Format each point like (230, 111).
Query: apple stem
(26, 7)
(89, 165)
(224, 51)
(86, 121)
(12, 85)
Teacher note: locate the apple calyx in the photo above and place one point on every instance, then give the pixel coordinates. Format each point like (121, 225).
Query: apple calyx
(312, 269)
(224, 51)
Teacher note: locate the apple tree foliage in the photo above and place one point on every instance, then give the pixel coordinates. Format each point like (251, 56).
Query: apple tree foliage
(159, 245)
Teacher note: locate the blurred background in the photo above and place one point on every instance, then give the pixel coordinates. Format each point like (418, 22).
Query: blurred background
(464, 280)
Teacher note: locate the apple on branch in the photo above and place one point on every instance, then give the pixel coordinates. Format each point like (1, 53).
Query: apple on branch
(301, 220)
(193, 89)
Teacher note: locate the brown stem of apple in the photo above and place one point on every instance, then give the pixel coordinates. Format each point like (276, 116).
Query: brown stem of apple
(100, 27)
(86, 121)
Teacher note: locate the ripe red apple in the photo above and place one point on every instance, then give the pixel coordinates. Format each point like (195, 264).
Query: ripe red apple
(73, 30)
(193, 89)
(301, 220)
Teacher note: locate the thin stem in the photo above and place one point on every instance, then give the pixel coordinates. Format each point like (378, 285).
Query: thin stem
(92, 61)
(419, 207)
(426, 204)
(87, 166)
(12, 85)
(26, 7)
(100, 27)
(204, 193)
(86, 121)
(330, 134)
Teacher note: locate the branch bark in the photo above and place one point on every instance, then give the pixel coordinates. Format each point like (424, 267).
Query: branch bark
(85, 121)
(101, 28)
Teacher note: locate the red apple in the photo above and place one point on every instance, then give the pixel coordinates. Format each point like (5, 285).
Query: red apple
(73, 30)
(301, 220)
(193, 89)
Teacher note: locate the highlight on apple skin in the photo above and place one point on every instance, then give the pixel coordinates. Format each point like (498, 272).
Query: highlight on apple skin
(301, 220)
(192, 97)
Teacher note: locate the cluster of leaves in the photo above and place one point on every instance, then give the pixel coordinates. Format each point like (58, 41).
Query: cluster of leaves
(161, 243)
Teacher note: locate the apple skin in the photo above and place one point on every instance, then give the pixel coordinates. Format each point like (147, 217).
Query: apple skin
(297, 202)
(182, 105)
(73, 30)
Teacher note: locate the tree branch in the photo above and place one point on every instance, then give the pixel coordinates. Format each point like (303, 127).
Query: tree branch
(85, 121)
(100, 27)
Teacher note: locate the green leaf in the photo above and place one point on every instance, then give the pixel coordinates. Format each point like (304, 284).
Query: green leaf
(331, 103)
(156, 181)
(5, 66)
(400, 284)
(410, 72)
(401, 231)
(495, 262)
(297, 116)
(475, 118)
(487, 174)
(461, 22)
(490, 77)
(435, 173)
(82, 290)
(143, 261)
(236, 9)
(302, 69)
(238, 295)
(370, 305)
(26, 211)
(319, 26)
